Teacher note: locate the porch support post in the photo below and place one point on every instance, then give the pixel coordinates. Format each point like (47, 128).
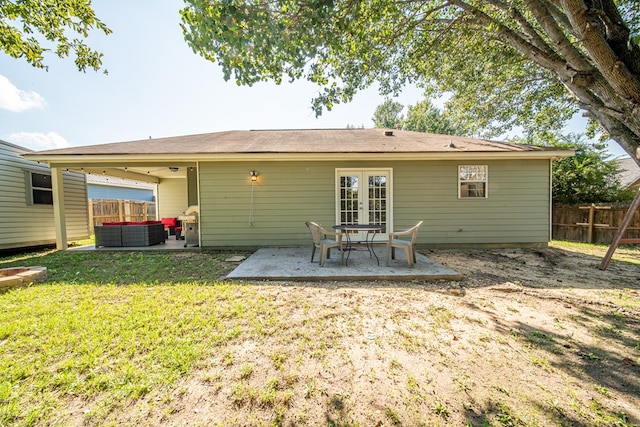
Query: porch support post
(57, 187)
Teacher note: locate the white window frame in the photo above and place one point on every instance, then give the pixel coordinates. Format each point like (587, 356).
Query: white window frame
(481, 176)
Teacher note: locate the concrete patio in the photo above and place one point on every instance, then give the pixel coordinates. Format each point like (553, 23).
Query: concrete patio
(295, 264)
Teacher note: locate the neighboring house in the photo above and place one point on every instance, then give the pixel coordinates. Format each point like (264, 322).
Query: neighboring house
(257, 188)
(113, 188)
(27, 201)
(630, 173)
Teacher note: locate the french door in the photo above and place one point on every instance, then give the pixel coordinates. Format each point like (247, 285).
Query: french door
(363, 196)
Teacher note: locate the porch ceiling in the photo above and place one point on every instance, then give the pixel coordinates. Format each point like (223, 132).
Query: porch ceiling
(152, 172)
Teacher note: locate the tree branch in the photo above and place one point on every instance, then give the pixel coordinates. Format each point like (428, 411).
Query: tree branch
(593, 36)
(527, 28)
(545, 58)
(574, 58)
(553, 7)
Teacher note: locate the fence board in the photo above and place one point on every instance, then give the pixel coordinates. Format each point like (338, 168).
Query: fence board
(597, 223)
(101, 211)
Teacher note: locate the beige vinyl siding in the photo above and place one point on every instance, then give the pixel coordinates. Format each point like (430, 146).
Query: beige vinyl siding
(172, 197)
(289, 193)
(76, 206)
(23, 224)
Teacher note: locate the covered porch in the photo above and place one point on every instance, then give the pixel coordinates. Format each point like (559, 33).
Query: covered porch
(177, 190)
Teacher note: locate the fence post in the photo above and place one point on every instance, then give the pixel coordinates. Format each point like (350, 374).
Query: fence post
(90, 206)
(592, 215)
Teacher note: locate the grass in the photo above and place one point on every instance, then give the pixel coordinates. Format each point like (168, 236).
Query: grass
(109, 343)
(625, 253)
(85, 336)
(108, 331)
(125, 268)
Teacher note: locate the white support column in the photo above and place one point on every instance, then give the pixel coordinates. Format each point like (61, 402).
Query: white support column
(58, 208)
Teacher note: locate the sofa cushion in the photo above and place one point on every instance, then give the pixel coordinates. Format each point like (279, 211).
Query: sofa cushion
(169, 222)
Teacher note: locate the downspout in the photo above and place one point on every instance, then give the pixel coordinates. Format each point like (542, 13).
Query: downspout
(57, 186)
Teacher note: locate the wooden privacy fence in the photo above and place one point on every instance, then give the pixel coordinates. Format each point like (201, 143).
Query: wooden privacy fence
(101, 211)
(595, 223)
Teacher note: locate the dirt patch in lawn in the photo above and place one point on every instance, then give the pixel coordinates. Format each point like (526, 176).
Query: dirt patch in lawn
(529, 337)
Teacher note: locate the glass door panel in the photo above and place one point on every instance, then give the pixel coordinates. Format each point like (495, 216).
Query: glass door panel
(363, 198)
(349, 199)
(377, 200)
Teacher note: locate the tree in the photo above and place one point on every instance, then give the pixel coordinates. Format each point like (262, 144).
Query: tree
(387, 115)
(25, 26)
(529, 63)
(426, 117)
(591, 176)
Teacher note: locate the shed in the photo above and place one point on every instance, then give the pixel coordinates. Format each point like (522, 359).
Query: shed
(27, 201)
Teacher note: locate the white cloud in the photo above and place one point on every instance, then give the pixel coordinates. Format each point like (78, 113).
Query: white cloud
(16, 100)
(38, 141)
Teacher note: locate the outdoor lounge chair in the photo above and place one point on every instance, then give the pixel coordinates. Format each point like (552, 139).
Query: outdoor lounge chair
(407, 245)
(322, 242)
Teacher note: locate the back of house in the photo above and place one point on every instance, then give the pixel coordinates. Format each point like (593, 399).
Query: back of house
(257, 188)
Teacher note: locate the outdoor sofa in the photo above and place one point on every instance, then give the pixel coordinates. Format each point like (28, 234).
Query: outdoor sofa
(128, 233)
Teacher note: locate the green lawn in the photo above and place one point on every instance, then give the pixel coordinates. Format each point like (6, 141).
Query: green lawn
(110, 331)
(85, 335)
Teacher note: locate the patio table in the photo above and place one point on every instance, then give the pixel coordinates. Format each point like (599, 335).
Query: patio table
(371, 229)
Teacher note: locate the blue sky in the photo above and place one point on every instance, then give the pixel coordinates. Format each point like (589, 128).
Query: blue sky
(156, 87)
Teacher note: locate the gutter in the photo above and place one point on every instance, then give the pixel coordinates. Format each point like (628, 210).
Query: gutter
(162, 159)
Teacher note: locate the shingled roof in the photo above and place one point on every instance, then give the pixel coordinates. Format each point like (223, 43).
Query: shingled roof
(630, 172)
(299, 141)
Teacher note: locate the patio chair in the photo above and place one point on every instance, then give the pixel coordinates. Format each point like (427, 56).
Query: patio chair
(321, 241)
(407, 245)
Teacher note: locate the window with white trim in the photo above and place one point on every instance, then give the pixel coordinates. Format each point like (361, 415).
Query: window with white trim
(472, 181)
(41, 188)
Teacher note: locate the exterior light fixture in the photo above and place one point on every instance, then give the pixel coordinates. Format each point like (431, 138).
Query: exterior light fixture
(254, 176)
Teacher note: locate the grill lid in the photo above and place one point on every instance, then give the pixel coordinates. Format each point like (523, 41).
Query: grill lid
(190, 214)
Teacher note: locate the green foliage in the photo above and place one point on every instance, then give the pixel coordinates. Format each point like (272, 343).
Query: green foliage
(588, 177)
(387, 115)
(631, 14)
(425, 117)
(422, 117)
(345, 47)
(504, 64)
(25, 27)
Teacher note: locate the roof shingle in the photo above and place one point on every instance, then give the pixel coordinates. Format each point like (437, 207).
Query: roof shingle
(299, 141)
